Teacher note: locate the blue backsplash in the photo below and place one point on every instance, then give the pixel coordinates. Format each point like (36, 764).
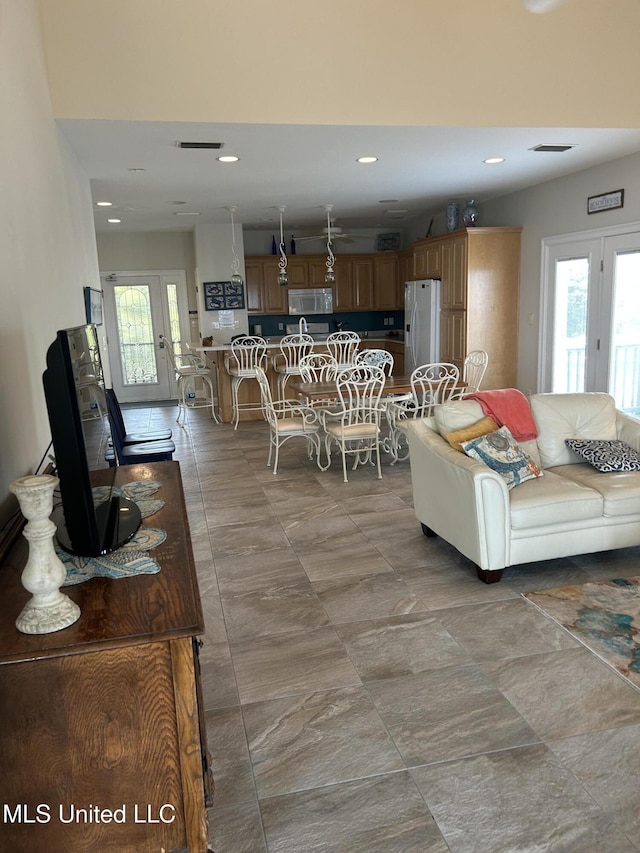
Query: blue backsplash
(353, 321)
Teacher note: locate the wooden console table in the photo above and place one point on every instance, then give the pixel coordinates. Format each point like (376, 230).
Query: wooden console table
(102, 739)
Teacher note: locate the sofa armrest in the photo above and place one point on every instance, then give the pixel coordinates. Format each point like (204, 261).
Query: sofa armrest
(459, 498)
(628, 430)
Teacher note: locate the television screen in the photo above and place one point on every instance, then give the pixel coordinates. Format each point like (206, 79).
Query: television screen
(75, 394)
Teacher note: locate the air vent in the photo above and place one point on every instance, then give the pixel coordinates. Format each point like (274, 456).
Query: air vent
(211, 145)
(557, 148)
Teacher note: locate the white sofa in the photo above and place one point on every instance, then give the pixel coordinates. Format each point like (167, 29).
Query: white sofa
(572, 509)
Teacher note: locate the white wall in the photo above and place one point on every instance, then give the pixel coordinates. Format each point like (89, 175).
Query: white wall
(213, 258)
(150, 250)
(47, 244)
(550, 209)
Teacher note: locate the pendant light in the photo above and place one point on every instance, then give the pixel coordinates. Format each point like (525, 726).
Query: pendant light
(236, 278)
(329, 276)
(283, 278)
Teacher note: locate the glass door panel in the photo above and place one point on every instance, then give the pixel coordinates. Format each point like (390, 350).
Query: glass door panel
(570, 324)
(624, 346)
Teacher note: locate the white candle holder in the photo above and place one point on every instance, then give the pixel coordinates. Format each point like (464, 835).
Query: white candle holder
(49, 609)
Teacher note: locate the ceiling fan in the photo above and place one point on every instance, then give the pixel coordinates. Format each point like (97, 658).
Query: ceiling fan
(332, 231)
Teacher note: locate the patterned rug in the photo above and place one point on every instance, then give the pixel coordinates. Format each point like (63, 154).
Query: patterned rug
(604, 616)
(133, 557)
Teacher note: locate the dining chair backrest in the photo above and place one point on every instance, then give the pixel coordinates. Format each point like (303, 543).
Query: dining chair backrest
(292, 349)
(376, 358)
(183, 363)
(248, 353)
(359, 391)
(343, 346)
(266, 396)
(318, 367)
(431, 384)
(474, 368)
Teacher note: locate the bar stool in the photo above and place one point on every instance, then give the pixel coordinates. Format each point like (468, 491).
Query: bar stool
(191, 367)
(286, 363)
(247, 353)
(343, 346)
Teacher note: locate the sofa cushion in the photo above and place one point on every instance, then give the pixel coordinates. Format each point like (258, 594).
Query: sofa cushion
(502, 453)
(481, 427)
(606, 456)
(457, 414)
(620, 490)
(562, 416)
(553, 499)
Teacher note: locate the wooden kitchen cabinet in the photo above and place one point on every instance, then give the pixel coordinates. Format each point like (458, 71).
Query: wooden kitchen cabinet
(362, 283)
(480, 274)
(275, 295)
(254, 281)
(427, 258)
(108, 712)
(385, 280)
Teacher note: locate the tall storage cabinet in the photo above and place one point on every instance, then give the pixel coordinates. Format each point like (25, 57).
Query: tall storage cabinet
(480, 273)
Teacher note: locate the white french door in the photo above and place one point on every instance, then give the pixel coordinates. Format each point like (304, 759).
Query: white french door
(138, 309)
(592, 340)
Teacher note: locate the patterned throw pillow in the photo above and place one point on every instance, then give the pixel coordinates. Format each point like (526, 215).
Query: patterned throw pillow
(501, 452)
(481, 427)
(613, 455)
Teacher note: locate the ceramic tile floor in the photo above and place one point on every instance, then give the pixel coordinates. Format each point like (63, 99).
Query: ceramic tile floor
(365, 693)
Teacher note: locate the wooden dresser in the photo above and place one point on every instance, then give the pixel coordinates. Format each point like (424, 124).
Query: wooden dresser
(102, 740)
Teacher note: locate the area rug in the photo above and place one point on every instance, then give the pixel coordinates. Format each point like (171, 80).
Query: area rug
(604, 616)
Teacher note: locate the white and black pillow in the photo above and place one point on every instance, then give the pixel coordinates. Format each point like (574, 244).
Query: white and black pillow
(606, 456)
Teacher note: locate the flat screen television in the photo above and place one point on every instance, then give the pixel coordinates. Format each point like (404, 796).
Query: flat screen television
(74, 391)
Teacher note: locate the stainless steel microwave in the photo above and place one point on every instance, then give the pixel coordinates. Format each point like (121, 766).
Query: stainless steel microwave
(311, 300)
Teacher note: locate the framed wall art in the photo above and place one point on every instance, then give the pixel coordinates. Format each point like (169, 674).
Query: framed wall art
(223, 295)
(93, 305)
(606, 201)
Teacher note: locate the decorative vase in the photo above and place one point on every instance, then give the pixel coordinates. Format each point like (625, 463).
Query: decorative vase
(48, 609)
(453, 215)
(470, 214)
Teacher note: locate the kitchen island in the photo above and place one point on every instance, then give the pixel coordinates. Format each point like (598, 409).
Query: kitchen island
(249, 393)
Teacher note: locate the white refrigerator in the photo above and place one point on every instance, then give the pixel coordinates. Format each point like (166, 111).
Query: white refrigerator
(421, 323)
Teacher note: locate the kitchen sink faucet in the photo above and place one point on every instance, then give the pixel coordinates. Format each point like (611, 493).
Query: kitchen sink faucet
(303, 325)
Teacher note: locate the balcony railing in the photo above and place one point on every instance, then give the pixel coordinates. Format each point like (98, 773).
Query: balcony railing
(625, 375)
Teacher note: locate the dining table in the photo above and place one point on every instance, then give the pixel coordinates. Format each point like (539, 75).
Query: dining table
(315, 391)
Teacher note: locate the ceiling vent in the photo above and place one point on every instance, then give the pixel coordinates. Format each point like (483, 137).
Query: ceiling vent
(557, 148)
(211, 145)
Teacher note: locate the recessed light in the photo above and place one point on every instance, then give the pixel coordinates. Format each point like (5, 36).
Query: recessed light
(137, 170)
(388, 201)
(228, 158)
(114, 220)
(176, 202)
(397, 210)
(186, 213)
(104, 203)
(490, 161)
(367, 160)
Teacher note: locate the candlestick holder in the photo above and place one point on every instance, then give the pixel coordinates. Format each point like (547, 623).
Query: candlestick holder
(48, 609)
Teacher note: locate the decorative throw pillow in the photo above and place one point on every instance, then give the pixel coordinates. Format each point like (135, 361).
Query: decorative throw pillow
(501, 452)
(613, 455)
(481, 427)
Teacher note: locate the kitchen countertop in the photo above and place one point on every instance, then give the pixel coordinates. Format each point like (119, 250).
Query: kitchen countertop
(273, 342)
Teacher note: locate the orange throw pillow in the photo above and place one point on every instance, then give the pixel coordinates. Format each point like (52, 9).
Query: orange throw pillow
(481, 427)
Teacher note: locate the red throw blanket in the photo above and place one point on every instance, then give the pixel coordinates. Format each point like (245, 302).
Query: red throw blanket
(510, 408)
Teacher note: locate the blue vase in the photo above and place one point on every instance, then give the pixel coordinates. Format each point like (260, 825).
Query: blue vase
(453, 216)
(470, 214)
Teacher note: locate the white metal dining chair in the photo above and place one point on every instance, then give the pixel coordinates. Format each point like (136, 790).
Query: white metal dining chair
(247, 355)
(384, 359)
(473, 370)
(286, 363)
(355, 426)
(343, 346)
(288, 419)
(376, 358)
(430, 384)
(188, 368)
(318, 367)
